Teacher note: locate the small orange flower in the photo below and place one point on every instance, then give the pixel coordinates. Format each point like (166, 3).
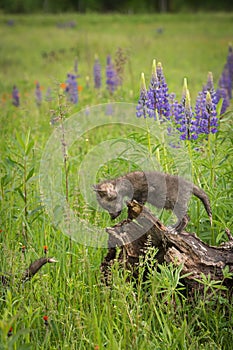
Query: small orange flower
(80, 88)
(45, 249)
(23, 249)
(96, 347)
(63, 85)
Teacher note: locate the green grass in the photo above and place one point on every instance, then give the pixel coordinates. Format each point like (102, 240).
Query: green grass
(84, 314)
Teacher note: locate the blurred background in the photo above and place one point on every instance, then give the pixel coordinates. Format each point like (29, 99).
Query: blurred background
(122, 6)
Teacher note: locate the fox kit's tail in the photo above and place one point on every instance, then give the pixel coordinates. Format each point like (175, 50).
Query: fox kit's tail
(198, 192)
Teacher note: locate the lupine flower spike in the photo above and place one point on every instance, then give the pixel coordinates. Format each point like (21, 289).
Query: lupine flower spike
(72, 88)
(163, 106)
(230, 68)
(143, 99)
(184, 116)
(97, 73)
(38, 94)
(111, 78)
(158, 103)
(152, 92)
(15, 96)
(209, 121)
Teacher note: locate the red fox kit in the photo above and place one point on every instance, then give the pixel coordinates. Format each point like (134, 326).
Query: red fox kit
(159, 189)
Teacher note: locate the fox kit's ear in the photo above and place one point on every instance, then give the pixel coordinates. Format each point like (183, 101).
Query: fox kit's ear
(106, 189)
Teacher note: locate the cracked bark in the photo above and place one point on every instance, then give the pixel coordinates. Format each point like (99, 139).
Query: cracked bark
(133, 236)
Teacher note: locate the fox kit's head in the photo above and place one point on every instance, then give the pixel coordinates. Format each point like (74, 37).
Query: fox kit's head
(109, 197)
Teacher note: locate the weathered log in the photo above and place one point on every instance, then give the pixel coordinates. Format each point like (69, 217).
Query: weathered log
(133, 236)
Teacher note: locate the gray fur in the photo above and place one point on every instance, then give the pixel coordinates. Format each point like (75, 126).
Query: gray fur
(159, 189)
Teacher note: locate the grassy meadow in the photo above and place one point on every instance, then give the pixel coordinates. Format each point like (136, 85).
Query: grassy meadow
(81, 312)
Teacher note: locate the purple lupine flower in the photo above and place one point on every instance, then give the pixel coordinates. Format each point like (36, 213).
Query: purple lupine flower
(142, 109)
(72, 88)
(230, 67)
(111, 77)
(210, 87)
(174, 104)
(158, 97)
(38, 94)
(15, 96)
(206, 114)
(225, 80)
(185, 118)
(222, 93)
(97, 73)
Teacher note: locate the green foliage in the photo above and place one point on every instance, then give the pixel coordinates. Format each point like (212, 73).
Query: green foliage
(83, 313)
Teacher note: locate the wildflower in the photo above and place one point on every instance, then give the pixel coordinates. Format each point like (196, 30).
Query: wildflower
(222, 93)
(38, 94)
(72, 88)
(210, 83)
(15, 96)
(97, 73)
(46, 322)
(10, 332)
(224, 90)
(45, 249)
(158, 102)
(206, 114)
(111, 77)
(184, 116)
(225, 80)
(230, 68)
(63, 86)
(96, 347)
(23, 249)
(143, 99)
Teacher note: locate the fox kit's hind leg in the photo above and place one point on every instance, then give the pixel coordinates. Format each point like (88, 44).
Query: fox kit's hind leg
(180, 210)
(180, 226)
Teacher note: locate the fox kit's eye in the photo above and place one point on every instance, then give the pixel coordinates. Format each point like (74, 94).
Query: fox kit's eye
(102, 193)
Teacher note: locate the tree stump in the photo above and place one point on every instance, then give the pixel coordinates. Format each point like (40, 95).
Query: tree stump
(132, 237)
